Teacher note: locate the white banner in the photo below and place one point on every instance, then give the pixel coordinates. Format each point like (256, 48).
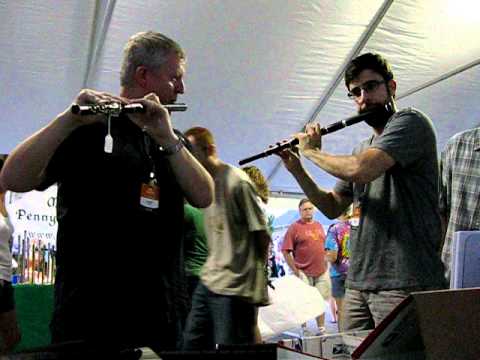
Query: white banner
(34, 218)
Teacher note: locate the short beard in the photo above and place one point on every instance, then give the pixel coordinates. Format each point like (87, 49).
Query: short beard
(380, 116)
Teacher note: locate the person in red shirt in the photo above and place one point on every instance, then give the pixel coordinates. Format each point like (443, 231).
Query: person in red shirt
(304, 251)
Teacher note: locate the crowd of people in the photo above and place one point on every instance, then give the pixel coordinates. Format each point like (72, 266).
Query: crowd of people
(190, 232)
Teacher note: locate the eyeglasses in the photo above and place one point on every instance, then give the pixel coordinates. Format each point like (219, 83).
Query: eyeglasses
(368, 87)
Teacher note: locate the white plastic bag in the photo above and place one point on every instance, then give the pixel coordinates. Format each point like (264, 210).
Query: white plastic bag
(293, 303)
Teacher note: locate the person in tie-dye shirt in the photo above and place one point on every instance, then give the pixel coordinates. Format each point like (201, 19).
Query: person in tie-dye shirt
(338, 254)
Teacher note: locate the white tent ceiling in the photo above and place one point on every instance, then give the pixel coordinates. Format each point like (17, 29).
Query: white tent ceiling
(258, 70)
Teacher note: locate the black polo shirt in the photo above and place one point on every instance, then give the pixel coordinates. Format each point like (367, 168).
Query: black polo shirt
(119, 265)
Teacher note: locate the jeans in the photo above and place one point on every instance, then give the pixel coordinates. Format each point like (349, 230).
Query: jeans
(218, 319)
(364, 310)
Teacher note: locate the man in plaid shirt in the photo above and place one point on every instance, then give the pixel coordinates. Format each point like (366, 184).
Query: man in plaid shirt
(460, 188)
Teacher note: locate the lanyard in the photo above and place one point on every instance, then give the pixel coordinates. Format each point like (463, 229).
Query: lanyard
(147, 147)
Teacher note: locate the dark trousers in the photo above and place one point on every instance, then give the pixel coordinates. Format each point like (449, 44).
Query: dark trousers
(218, 319)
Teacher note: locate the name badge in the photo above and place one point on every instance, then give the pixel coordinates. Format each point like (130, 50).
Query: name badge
(150, 195)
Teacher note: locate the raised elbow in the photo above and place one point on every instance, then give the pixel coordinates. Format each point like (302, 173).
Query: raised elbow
(365, 175)
(17, 184)
(6, 185)
(203, 197)
(370, 165)
(360, 178)
(330, 215)
(361, 173)
(205, 202)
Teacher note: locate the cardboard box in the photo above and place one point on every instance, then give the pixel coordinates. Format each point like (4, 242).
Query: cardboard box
(428, 325)
(331, 346)
(309, 345)
(341, 345)
(432, 325)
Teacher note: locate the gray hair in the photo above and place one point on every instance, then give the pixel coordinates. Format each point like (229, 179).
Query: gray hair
(149, 49)
(303, 201)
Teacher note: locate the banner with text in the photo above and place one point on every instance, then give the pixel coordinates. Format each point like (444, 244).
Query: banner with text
(34, 218)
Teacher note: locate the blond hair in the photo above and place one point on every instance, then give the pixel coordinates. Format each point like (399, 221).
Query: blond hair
(259, 181)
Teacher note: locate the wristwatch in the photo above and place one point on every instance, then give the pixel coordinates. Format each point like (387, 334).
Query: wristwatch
(172, 149)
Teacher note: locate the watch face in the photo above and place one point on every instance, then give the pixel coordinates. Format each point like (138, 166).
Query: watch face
(172, 149)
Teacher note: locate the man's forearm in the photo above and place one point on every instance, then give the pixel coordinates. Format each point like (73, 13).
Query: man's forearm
(290, 261)
(323, 200)
(195, 181)
(342, 167)
(361, 168)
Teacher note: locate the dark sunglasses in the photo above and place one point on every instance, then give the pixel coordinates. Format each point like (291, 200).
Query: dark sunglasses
(368, 86)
